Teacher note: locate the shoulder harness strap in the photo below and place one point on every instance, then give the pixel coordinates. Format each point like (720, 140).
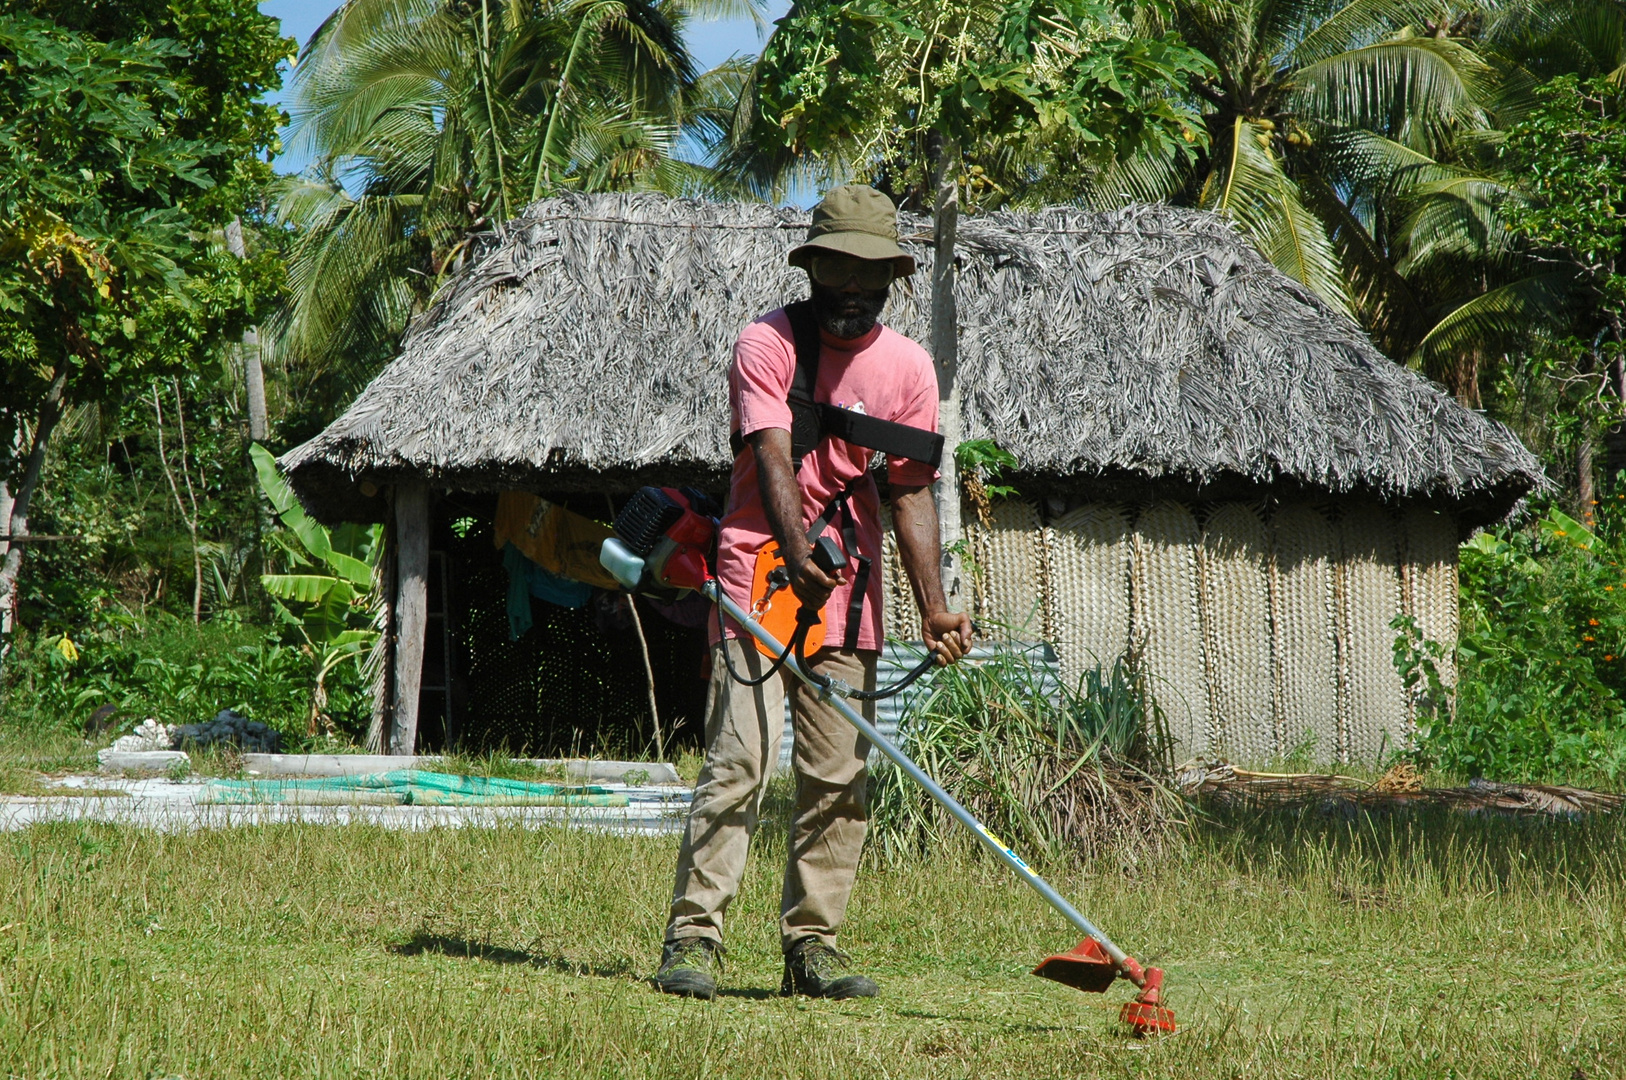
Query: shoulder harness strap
(838, 507)
(805, 419)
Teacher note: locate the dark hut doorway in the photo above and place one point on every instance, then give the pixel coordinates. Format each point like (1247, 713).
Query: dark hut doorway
(575, 684)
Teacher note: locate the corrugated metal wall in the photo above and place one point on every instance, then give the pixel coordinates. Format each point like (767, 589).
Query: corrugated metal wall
(900, 658)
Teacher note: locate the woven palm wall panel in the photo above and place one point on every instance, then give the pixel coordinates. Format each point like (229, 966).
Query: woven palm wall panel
(901, 617)
(1010, 555)
(1304, 649)
(1088, 558)
(1430, 565)
(1264, 634)
(1235, 600)
(1168, 622)
(1374, 713)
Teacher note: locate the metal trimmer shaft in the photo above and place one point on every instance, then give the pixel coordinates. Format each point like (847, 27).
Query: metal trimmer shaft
(915, 773)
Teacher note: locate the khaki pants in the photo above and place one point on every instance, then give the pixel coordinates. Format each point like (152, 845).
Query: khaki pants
(743, 729)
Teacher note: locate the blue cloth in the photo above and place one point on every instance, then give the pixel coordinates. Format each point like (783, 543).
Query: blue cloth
(526, 579)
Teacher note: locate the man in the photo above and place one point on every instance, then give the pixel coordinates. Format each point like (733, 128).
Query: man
(862, 367)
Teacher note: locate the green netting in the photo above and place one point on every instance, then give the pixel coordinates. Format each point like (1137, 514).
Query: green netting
(406, 787)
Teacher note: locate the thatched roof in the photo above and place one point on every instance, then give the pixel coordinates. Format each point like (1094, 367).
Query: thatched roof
(1150, 346)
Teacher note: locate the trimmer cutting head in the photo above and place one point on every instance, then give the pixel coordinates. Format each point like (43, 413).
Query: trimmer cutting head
(1146, 1019)
(1087, 967)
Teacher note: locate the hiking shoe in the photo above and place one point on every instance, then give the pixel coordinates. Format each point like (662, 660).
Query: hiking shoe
(814, 969)
(687, 967)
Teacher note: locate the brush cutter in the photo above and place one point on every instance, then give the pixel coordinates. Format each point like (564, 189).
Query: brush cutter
(660, 543)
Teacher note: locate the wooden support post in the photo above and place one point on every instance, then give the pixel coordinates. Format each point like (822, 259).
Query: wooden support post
(945, 329)
(378, 725)
(411, 611)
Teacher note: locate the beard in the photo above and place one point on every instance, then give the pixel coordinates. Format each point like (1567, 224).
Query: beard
(847, 315)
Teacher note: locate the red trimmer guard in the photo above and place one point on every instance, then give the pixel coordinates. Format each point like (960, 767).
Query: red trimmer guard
(1085, 967)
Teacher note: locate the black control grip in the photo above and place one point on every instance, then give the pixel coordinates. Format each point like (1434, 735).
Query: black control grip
(828, 556)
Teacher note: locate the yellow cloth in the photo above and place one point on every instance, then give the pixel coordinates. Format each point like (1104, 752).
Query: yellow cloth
(552, 537)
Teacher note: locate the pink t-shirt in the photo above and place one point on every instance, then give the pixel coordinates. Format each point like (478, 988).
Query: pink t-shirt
(882, 374)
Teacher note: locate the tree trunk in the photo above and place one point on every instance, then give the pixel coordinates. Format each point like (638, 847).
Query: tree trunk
(382, 662)
(1583, 475)
(17, 519)
(190, 521)
(411, 611)
(1465, 378)
(6, 612)
(254, 382)
(253, 369)
(946, 353)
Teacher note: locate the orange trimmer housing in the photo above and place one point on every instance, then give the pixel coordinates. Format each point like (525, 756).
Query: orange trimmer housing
(775, 607)
(1087, 967)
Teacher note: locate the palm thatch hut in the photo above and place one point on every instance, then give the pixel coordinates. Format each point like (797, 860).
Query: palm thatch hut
(1215, 467)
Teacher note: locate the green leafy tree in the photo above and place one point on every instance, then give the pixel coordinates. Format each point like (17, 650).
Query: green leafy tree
(119, 147)
(1549, 38)
(1001, 99)
(1029, 94)
(1541, 693)
(1468, 300)
(432, 121)
(1570, 153)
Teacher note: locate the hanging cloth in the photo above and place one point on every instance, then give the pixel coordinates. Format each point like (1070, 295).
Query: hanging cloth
(526, 579)
(562, 542)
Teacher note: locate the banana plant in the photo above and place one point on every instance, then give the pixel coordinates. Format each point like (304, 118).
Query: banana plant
(329, 597)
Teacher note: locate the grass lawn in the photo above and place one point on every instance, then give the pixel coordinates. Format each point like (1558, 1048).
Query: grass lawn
(1295, 947)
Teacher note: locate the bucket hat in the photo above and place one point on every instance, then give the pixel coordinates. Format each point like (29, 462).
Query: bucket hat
(855, 220)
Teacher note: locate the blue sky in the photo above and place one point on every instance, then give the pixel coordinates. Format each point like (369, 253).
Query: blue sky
(711, 42)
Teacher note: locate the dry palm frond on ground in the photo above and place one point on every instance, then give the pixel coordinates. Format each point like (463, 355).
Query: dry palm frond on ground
(1401, 788)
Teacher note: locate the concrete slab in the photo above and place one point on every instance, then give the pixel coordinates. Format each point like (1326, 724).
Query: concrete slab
(330, 764)
(141, 760)
(576, 770)
(635, 773)
(172, 806)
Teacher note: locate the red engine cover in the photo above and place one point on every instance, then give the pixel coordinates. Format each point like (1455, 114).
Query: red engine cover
(679, 559)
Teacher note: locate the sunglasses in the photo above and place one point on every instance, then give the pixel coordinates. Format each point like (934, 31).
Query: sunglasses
(834, 271)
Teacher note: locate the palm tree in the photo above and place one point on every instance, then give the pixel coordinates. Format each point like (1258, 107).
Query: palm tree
(431, 121)
(1301, 90)
(1559, 37)
(1469, 294)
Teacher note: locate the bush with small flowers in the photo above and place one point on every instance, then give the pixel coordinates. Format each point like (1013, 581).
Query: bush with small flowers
(1541, 691)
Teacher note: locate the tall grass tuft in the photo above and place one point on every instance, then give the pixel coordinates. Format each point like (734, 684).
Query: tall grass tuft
(1064, 773)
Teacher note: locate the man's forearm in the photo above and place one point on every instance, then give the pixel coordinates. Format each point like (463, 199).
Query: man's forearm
(781, 495)
(914, 521)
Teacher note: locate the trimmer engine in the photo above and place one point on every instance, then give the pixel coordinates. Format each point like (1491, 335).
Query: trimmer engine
(665, 538)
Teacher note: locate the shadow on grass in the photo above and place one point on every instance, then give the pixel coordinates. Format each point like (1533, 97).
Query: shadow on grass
(974, 1019)
(464, 949)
